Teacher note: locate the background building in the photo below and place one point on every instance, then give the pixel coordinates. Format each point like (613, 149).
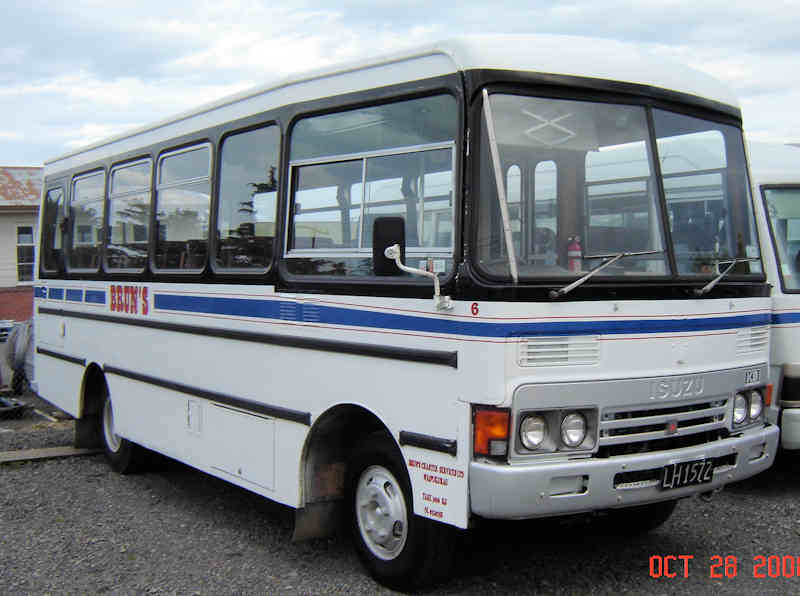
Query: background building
(20, 190)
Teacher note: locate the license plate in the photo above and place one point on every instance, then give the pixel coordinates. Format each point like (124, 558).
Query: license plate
(687, 473)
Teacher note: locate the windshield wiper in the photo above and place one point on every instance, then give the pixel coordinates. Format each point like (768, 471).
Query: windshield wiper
(609, 260)
(710, 285)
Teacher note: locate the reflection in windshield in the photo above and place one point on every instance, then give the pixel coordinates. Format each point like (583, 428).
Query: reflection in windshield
(708, 198)
(783, 205)
(581, 180)
(547, 147)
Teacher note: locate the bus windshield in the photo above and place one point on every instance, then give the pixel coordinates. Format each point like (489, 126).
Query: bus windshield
(581, 180)
(783, 206)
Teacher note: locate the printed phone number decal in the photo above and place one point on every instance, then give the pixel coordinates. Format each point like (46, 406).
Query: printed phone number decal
(435, 476)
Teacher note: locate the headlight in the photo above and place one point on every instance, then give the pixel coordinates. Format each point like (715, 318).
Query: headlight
(533, 431)
(756, 404)
(740, 408)
(573, 429)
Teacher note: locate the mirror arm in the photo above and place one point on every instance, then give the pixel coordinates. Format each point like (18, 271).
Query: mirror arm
(441, 302)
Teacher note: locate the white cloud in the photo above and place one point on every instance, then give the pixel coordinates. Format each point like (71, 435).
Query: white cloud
(90, 133)
(105, 66)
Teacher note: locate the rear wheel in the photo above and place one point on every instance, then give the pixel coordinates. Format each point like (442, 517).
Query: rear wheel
(125, 457)
(399, 549)
(19, 383)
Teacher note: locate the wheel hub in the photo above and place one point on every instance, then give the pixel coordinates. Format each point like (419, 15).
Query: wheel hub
(112, 438)
(381, 512)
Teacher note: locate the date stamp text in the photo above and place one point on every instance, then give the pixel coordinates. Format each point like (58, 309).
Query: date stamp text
(725, 567)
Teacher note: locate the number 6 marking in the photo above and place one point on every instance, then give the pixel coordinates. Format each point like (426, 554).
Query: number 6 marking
(475, 309)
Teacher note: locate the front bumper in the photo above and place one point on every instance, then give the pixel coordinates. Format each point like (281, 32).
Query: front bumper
(547, 489)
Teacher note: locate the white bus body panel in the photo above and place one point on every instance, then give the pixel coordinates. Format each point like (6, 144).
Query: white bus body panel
(635, 339)
(773, 164)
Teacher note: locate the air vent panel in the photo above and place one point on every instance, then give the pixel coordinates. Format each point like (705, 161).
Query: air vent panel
(752, 340)
(581, 350)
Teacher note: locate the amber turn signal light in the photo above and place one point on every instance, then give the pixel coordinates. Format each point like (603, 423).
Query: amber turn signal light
(491, 428)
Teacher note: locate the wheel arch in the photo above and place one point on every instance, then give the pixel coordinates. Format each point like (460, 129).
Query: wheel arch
(93, 391)
(323, 466)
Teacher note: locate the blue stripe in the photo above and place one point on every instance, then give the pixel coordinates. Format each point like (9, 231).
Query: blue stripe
(786, 318)
(40, 292)
(95, 297)
(55, 293)
(331, 315)
(75, 295)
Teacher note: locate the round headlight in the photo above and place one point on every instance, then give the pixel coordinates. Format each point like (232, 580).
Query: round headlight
(533, 431)
(756, 404)
(739, 408)
(573, 429)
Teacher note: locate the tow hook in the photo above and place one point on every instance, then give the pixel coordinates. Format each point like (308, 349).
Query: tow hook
(708, 495)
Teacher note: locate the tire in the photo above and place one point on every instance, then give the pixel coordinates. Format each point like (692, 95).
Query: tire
(19, 383)
(124, 456)
(638, 520)
(399, 549)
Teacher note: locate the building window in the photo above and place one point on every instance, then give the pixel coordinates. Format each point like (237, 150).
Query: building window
(25, 253)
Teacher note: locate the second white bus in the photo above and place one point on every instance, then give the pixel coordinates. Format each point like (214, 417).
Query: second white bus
(776, 175)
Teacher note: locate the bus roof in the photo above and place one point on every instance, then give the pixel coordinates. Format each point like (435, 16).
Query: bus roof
(598, 59)
(772, 163)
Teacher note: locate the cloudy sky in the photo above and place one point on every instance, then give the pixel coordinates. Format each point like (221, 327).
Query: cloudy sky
(72, 73)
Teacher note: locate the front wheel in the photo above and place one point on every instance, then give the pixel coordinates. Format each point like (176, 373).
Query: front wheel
(399, 549)
(125, 457)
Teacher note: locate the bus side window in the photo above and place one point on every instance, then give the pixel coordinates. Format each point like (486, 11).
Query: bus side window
(53, 231)
(183, 208)
(395, 160)
(86, 221)
(247, 199)
(327, 213)
(417, 187)
(129, 216)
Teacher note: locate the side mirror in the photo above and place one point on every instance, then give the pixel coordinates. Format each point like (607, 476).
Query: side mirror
(387, 231)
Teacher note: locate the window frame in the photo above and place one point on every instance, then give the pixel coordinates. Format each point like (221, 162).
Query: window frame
(762, 190)
(70, 244)
(523, 86)
(216, 204)
(43, 269)
(363, 157)
(154, 203)
(32, 244)
(107, 223)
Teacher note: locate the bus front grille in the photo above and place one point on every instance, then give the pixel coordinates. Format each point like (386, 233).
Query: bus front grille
(667, 426)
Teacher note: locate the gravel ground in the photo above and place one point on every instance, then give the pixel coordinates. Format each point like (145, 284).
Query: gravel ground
(74, 526)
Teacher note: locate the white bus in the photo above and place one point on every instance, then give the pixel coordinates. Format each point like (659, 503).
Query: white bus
(776, 176)
(487, 278)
